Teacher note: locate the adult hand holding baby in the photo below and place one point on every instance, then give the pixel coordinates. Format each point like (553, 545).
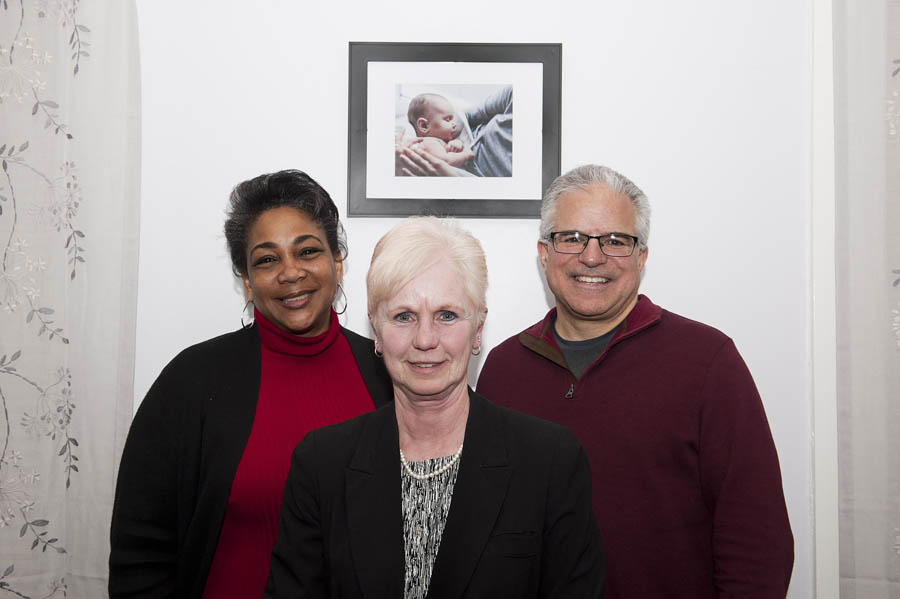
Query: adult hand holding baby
(412, 160)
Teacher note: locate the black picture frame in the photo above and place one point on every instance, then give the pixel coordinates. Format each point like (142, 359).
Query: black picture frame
(444, 201)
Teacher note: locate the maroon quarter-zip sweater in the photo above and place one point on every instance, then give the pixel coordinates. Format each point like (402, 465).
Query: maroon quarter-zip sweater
(686, 482)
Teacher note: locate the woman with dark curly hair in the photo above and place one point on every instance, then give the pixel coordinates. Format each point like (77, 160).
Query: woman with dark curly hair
(201, 478)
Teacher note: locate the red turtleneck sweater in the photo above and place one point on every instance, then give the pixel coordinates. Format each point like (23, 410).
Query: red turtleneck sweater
(305, 383)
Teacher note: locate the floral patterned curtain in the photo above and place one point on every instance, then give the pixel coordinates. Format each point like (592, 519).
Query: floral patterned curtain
(867, 136)
(69, 209)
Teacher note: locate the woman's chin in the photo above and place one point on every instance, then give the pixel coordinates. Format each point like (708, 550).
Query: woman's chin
(302, 325)
(430, 389)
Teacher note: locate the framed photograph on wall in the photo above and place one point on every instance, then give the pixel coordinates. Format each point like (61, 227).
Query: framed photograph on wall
(469, 130)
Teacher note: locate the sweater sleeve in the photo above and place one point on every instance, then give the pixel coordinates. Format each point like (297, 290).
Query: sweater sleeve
(143, 534)
(500, 102)
(741, 484)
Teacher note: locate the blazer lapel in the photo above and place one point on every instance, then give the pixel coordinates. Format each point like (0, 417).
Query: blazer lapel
(374, 509)
(478, 494)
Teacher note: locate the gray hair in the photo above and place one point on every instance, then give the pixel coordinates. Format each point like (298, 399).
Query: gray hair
(585, 176)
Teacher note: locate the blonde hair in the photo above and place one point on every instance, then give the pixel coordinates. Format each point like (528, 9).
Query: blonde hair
(418, 243)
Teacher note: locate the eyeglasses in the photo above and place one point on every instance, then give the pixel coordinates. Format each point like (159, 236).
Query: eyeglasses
(615, 245)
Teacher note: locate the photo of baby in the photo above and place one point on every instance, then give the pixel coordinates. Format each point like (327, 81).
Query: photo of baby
(433, 118)
(459, 130)
(452, 128)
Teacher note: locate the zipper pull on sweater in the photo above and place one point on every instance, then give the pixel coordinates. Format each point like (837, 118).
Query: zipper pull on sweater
(571, 391)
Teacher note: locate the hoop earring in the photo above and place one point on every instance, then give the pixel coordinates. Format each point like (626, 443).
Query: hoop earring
(378, 354)
(344, 309)
(476, 351)
(244, 325)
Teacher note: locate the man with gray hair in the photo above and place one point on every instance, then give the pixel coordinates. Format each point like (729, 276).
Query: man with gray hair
(686, 482)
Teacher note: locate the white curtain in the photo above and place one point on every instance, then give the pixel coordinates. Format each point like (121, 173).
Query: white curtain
(69, 195)
(867, 135)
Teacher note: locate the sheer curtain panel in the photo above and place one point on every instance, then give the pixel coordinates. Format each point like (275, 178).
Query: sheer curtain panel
(69, 208)
(867, 146)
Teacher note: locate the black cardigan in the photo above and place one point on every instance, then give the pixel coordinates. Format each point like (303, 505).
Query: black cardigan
(181, 456)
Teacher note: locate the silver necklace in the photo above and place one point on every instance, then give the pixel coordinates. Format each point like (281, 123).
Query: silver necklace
(440, 470)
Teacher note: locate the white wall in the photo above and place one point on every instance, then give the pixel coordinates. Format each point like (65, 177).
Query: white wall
(705, 104)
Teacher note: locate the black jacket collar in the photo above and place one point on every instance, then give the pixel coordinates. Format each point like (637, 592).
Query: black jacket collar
(374, 502)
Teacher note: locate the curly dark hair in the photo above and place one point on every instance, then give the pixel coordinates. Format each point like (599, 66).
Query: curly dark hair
(291, 188)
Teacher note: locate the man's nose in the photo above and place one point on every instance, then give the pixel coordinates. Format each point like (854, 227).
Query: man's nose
(593, 253)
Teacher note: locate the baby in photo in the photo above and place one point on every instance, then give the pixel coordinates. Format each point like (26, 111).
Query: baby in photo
(434, 120)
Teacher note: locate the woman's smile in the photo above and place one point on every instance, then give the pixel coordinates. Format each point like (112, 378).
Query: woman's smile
(427, 330)
(292, 276)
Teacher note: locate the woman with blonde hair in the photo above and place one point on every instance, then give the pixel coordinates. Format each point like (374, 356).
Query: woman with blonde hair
(442, 493)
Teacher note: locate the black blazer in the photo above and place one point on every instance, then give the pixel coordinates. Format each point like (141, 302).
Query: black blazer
(182, 452)
(520, 522)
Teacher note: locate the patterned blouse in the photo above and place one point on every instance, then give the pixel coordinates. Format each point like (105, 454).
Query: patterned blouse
(426, 504)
